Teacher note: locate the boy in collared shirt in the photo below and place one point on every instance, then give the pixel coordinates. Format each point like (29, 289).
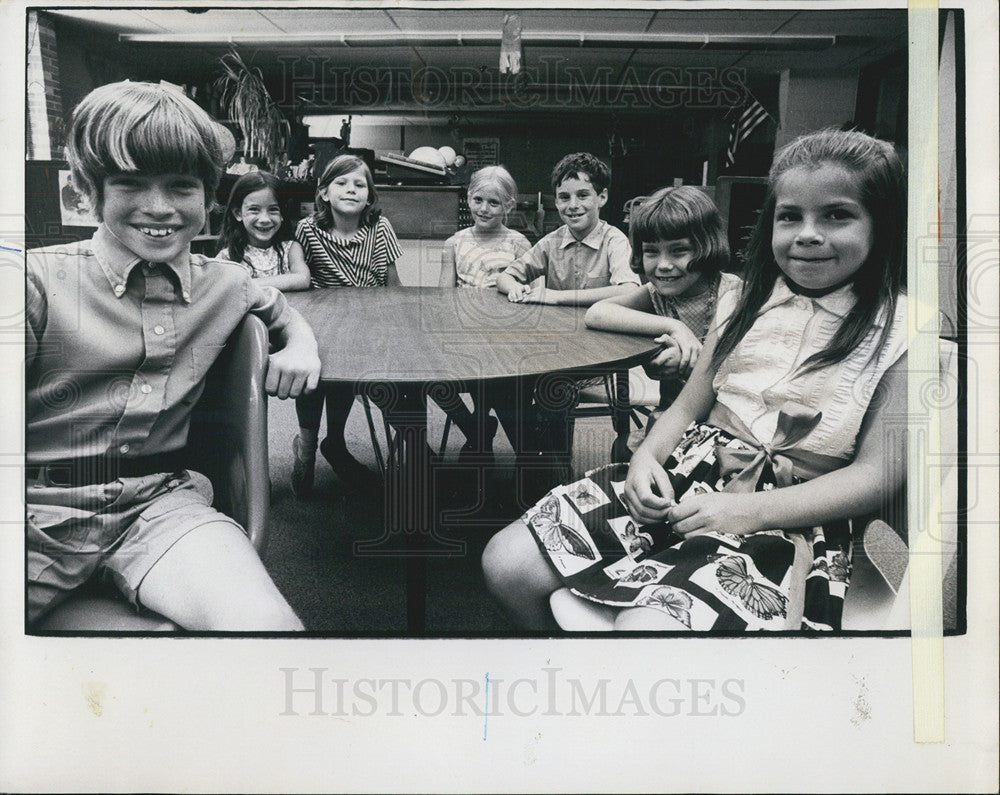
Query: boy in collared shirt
(121, 332)
(584, 260)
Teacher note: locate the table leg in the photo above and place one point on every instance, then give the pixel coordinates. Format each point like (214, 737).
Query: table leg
(409, 528)
(622, 411)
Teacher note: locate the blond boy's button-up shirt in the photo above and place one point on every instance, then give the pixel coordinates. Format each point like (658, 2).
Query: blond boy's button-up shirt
(117, 349)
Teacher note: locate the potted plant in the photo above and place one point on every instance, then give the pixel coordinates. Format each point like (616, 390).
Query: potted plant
(244, 98)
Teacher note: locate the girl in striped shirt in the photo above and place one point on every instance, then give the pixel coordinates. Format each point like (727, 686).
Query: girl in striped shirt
(347, 243)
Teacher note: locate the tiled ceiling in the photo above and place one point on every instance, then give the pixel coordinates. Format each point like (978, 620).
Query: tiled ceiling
(187, 44)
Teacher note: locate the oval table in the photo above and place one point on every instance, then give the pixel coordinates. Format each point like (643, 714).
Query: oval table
(398, 345)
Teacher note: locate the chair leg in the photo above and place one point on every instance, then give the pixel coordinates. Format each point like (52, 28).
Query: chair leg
(444, 435)
(375, 442)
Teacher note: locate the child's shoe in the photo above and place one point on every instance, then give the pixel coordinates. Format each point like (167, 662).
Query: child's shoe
(303, 468)
(348, 468)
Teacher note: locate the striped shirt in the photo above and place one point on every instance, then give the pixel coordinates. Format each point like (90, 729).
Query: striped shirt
(361, 261)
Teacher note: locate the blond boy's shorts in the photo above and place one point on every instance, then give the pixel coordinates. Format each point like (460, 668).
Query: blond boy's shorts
(117, 530)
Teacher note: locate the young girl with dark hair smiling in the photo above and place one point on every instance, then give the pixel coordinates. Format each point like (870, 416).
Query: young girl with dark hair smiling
(734, 513)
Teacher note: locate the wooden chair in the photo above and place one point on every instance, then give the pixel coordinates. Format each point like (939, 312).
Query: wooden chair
(878, 597)
(228, 444)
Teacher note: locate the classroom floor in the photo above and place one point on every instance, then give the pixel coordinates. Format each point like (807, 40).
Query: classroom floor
(310, 551)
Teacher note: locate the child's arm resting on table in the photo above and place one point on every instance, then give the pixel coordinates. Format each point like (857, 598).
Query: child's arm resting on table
(648, 493)
(540, 294)
(632, 312)
(298, 276)
(449, 270)
(293, 367)
(877, 471)
(511, 287)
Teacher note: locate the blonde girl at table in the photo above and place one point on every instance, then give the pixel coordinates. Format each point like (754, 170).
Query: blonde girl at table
(679, 244)
(347, 243)
(474, 257)
(254, 233)
(734, 513)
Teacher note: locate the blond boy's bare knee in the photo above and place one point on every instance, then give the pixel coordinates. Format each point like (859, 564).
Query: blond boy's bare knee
(212, 579)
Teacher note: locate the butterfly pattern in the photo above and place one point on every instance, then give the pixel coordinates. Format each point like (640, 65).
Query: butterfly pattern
(764, 601)
(837, 568)
(583, 496)
(730, 580)
(671, 600)
(840, 568)
(556, 536)
(641, 574)
(636, 541)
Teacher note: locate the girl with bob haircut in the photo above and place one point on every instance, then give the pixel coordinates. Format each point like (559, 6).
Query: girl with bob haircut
(735, 513)
(680, 248)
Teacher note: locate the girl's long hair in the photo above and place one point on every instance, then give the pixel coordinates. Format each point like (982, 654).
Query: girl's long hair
(233, 235)
(881, 277)
(340, 165)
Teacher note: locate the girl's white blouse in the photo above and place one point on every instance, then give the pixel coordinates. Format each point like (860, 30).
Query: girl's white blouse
(761, 373)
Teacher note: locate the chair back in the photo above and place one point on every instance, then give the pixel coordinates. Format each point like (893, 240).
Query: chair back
(227, 441)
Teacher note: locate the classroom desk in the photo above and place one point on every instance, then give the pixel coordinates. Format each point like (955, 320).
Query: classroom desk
(399, 344)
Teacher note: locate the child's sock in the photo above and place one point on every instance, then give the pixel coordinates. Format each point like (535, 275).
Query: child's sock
(308, 440)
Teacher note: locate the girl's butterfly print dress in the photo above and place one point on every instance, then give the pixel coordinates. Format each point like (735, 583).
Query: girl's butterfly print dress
(793, 578)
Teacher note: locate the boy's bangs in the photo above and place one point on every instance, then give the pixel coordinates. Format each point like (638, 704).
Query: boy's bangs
(165, 143)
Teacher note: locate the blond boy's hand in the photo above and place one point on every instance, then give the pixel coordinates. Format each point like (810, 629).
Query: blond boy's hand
(292, 371)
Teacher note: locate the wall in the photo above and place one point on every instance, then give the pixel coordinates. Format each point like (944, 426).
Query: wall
(799, 110)
(44, 89)
(646, 153)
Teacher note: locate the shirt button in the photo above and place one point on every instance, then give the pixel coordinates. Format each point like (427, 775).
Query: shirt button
(123, 449)
(157, 329)
(186, 296)
(146, 389)
(119, 289)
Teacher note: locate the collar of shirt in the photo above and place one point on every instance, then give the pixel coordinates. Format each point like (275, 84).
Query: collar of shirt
(117, 263)
(837, 303)
(592, 240)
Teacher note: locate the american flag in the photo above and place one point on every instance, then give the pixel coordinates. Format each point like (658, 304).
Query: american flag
(750, 119)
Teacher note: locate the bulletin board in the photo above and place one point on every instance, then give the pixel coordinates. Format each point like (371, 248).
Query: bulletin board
(53, 214)
(480, 152)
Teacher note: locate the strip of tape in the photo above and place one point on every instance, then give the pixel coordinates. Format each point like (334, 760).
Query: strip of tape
(924, 448)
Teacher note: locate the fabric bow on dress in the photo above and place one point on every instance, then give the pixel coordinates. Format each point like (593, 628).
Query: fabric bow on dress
(742, 469)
